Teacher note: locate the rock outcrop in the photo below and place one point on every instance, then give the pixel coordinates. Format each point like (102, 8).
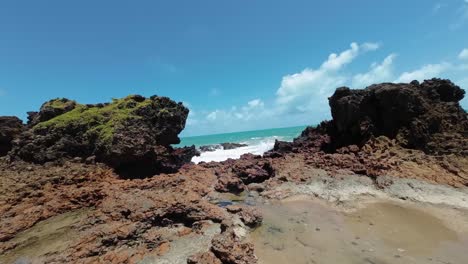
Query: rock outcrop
(404, 130)
(225, 146)
(233, 145)
(235, 175)
(10, 128)
(133, 134)
(424, 116)
(392, 131)
(50, 110)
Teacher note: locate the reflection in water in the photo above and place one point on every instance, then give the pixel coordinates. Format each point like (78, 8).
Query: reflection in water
(307, 232)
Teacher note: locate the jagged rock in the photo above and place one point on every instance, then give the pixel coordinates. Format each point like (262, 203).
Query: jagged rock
(230, 250)
(10, 128)
(209, 148)
(424, 116)
(51, 109)
(311, 139)
(250, 216)
(225, 146)
(132, 134)
(228, 183)
(282, 146)
(252, 169)
(234, 175)
(232, 145)
(204, 258)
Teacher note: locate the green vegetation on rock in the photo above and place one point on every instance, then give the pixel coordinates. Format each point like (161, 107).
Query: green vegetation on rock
(99, 121)
(131, 132)
(60, 103)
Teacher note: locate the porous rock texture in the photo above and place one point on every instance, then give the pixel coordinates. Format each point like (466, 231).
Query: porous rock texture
(10, 128)
(414, 130)
(424, 116)
(133, 134)
(128, 220)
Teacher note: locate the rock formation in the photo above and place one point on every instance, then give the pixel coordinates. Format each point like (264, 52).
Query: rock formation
(10, 128)
(233, 145)
(384, 132)
(404, 130)
(132, 134)
(225, 146)
(424, 116)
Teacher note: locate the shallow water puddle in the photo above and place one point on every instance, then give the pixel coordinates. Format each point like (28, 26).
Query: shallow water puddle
(306, 232)
(52, 235)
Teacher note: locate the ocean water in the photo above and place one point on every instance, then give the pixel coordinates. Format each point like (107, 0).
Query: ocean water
(258, 142)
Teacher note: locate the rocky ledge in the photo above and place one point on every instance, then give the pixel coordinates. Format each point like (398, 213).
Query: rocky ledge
(64, 162)
(133, 134)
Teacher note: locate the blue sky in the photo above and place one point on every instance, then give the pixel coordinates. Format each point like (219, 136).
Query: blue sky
(238, 65)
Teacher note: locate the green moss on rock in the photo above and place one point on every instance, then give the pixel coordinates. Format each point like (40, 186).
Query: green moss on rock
(60, 103)
(98, 121)
(129, 133)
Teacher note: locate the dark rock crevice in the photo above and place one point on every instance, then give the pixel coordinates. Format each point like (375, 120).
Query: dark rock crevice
(10, 128)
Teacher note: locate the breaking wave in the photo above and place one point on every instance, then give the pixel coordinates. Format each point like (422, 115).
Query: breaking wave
(256, 145)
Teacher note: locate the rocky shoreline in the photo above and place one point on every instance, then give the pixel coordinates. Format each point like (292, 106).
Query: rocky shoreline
(225, 146)
(144, 202)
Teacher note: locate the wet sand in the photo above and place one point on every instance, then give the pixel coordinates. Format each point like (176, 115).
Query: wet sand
(306, 231)
(46, 237)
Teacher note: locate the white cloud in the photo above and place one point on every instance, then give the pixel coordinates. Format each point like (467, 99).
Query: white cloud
(336, 61)
(463, 54)
(213, 115)
(303, 97)
(426, 72)
(253, 109)
(309, 89)
(382, 72)
(370, 46)
(256, 103)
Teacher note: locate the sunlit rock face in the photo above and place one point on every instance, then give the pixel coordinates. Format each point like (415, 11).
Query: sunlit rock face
(129, 134)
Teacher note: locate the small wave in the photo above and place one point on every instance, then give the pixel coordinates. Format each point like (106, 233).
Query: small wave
(257, 147)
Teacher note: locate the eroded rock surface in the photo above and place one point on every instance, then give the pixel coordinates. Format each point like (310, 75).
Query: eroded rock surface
(424, 116)
(234, 175)
(10, 128)
(133, 134)
(144, 218)
(417, 130)
(225, 146)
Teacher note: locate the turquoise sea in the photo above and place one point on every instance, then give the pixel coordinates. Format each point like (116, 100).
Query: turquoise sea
(258, 142)
(285, 133)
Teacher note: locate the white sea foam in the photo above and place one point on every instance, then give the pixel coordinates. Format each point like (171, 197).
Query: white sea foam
(256, 146)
